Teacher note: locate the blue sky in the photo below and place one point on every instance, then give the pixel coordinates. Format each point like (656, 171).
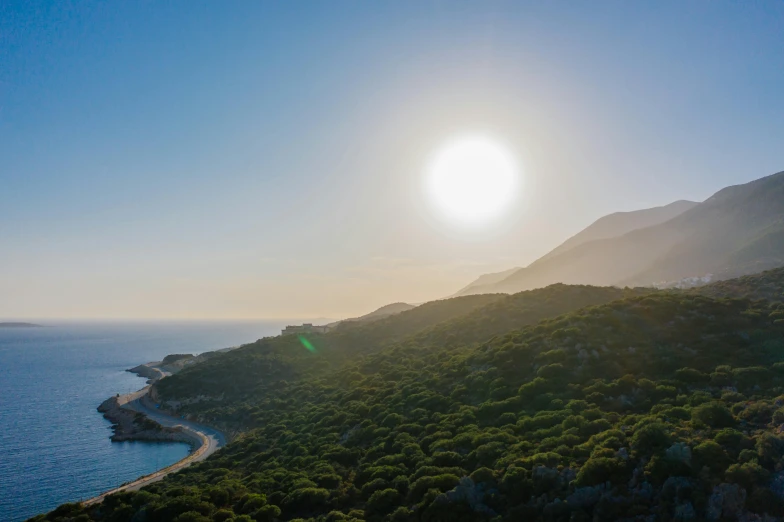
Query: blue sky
(260, 159)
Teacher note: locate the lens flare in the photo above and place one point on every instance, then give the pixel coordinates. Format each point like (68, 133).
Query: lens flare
(307, 344)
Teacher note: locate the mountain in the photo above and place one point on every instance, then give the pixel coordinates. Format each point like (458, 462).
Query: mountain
(380, 313)
(612, 225)
(737, 231)
(663, 405)
(486, 280)
(386, 310)
(620, 223)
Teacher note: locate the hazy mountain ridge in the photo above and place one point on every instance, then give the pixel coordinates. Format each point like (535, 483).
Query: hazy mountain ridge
(620, 223)
(606, 227)
(486, 280)
(739, 230)
(379, 313)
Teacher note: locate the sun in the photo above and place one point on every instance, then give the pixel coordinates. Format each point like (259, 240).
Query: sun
(472, 180)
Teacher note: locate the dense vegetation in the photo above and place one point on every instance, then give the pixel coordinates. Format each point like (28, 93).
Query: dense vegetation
(666, 406)
(768, 285)
(220, 390)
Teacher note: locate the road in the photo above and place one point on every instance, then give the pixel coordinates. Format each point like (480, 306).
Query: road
(207, 440)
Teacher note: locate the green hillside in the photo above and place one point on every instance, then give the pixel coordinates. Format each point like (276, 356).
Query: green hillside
(768, 285)
(664, 406)
(225, 383)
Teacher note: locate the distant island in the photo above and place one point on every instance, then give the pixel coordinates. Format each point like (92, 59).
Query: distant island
(20, 325)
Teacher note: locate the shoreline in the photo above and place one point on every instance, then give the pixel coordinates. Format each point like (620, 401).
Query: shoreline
(134, 416)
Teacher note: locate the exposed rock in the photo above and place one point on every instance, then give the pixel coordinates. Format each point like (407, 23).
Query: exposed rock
(585, 497)
(680, 451)
(467, 492)
(684, 512)
(676, 487)
(643, 492)
(726, 501)
(545, 473)
(777, 484)
(568, 475)
(753, 517)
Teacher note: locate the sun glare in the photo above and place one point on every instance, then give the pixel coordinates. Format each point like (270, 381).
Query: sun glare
(472, 180)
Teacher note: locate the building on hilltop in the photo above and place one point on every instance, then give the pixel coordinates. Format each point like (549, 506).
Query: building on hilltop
(304, 329)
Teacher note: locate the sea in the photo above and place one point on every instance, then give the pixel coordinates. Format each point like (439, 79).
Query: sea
(54, 445)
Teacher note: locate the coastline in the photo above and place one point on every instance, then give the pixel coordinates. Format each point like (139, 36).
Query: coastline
(134, 416)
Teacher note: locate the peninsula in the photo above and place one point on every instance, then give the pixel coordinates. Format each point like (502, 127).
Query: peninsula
(20, 325)
(135, 416)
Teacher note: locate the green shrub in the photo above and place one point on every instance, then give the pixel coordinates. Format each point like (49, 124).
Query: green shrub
(383, 501)
(713, 414)
(598, 470)
(650, 438)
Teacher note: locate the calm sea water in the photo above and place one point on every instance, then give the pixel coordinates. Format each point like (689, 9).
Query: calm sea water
(54, 445)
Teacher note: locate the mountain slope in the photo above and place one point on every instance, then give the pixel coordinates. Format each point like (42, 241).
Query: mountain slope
(768, 285)
(620, 223)
(486, 280)
(737, 231)
(379, 313)
(246, 371)
(641, 409)
(612, 225)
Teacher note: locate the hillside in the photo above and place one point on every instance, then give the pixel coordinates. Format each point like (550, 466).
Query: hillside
(256, 367)
(768, 285)
(612, 225)
(657, 407)
(384, 311)
(620, 223)
(379, 313)
(486, 280)
(737, 231)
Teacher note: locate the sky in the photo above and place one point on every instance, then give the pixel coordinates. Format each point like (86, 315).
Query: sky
(241, 159)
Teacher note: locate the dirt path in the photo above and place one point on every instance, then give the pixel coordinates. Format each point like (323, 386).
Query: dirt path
(206, 440)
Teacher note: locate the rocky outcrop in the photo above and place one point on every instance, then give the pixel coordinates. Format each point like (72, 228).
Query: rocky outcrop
(726, 501)
(131, 425)
(148, 372)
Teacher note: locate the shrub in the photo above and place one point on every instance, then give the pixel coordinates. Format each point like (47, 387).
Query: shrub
(650, 438)
(748, 475)
(598, 470)
(439, 482)
(383, 501)
(711, 455)
(713, 414)
(691, 376)
(757, 413)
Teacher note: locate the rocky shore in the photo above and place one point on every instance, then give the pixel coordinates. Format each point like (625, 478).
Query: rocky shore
(131, 425)
(147, 371)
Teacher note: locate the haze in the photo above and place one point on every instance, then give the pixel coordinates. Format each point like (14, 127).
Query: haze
(252, 159)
